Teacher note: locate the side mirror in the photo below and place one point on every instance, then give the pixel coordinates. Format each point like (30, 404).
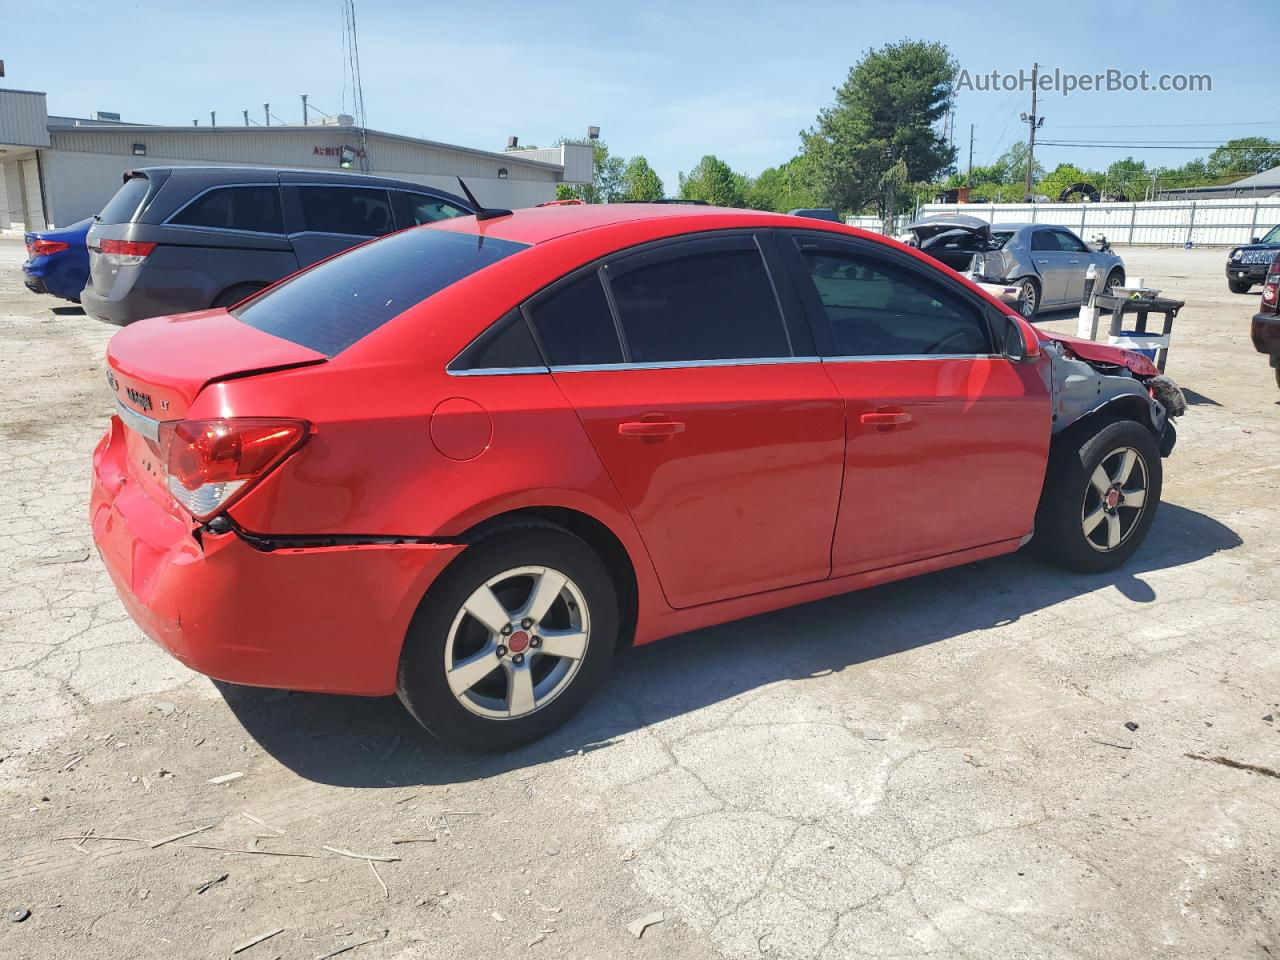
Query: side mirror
(1256, 240)
(1021, 345)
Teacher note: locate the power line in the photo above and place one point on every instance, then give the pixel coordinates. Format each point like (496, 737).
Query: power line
(1157, 146)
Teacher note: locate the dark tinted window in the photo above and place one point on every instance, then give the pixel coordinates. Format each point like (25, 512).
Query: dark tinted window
(256, 209)
(354, 211)
(575, 325)
(1045, 240)
(1068, 242)
(714, 305)
(338, 302)
(121, 207)
(507, 344)
(878, 309)
(427, 209)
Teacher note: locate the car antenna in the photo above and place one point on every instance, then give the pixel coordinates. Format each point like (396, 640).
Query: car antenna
(482, 213)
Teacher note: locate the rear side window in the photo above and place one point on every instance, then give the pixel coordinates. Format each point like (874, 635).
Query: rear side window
(254, 209)
(1045, 240)
(122, 207)
(710, 305)
(353, 211)
(340, 301)
(426, 209)
(879, 309)
(575, 325)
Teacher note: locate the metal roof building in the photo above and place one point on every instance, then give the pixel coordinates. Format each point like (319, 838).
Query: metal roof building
(1265, 184)
(57, 170)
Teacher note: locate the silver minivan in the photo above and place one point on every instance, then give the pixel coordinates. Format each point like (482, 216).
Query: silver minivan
(175, 239)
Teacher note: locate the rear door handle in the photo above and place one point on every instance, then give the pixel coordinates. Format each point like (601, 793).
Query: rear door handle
(650, 428)
(886, 418)
(1073, 261)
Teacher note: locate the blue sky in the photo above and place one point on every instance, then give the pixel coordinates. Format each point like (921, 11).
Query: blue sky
(670, 80)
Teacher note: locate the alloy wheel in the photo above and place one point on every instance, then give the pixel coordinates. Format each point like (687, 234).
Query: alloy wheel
(1114, 499)
(517, 642)
(1028, 293)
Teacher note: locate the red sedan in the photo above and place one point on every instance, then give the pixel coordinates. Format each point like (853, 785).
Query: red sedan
(466, 463)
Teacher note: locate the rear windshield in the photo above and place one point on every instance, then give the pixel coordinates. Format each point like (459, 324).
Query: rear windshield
(122, 207)
(332, 305)
(999, 238)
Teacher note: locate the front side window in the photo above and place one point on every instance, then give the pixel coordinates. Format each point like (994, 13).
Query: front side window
(428, 209)
(880, 309)
(340, 301)
(352, 211)
(715, 304)
(254, 209)
(1069, 242)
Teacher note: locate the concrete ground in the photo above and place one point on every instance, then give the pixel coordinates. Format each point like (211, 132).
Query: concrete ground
(939, 768)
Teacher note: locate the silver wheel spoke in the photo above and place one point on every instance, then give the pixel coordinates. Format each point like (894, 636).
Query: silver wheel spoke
(545, 591)
(1101, 482)
(1113, 531)
(471, 671)
(1126, 467)
(488, 609)
(519, 691)
(563, 643)
(1133, 498)
(1092, 520)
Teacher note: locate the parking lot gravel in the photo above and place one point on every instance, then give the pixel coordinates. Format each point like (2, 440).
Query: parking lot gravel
(1001, 760)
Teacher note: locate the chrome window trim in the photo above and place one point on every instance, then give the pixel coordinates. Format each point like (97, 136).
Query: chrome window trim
(497, 371)
(168, 221)
(682, 364)
(139, 423)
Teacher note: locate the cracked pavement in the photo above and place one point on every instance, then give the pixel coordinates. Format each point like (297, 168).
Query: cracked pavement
(936, 768)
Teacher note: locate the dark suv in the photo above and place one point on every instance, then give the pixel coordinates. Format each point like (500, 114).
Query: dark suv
(1248, 265)
(1265, 330)
(175, 239)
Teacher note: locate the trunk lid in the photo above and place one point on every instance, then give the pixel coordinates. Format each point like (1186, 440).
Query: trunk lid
(156, 367)
(928, 227)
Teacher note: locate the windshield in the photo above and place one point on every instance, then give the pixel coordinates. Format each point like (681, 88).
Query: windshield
(1273, 236)
(343, 300)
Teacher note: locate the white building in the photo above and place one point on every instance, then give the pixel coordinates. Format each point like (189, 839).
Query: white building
(57, 170)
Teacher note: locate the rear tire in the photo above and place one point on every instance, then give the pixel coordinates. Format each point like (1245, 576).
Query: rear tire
(1240, 286)
(1101, 493)
(551, 590)
(1029, 300)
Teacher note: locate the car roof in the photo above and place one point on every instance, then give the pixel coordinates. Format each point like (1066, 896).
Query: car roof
(212, 172)
(1028, 226)
(533, 225)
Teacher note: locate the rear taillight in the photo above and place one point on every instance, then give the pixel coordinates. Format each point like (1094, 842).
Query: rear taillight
(125, 253)
(40, 247)
(1270, 291)
(210, 463)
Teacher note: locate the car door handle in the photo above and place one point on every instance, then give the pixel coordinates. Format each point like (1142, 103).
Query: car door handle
(1042, 261)
(1073, 261)
(650, 428)
(886, 418)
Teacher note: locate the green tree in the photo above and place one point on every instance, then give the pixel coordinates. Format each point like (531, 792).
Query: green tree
(784, 187)
(1244, 156)
(640, 181)
(606, 180)
(712, 180)
(1128, 178)
(882, 131)
(1063, 176)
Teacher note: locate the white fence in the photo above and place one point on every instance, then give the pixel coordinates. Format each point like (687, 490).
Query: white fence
(1154, 222)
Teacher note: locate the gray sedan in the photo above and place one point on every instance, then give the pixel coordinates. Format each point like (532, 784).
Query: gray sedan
(1046, 262)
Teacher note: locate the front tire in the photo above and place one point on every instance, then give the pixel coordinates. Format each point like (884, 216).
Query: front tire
(1100, 496)
(1239, 286)
(1114, 279)
(511, 640)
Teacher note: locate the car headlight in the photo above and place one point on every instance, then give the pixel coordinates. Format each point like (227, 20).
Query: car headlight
(1235, 255)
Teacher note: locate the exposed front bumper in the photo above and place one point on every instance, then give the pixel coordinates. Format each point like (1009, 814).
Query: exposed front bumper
(321, 619)
(1265, 334)
(33, 283)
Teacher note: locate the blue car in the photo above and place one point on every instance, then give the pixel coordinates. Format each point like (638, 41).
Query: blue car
(58, 261)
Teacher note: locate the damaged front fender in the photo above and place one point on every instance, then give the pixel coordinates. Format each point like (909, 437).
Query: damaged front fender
(1080, 388)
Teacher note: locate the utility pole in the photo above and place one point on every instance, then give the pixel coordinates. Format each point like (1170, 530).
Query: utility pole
(968, 177)
(304, 109)
(1034, 122)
